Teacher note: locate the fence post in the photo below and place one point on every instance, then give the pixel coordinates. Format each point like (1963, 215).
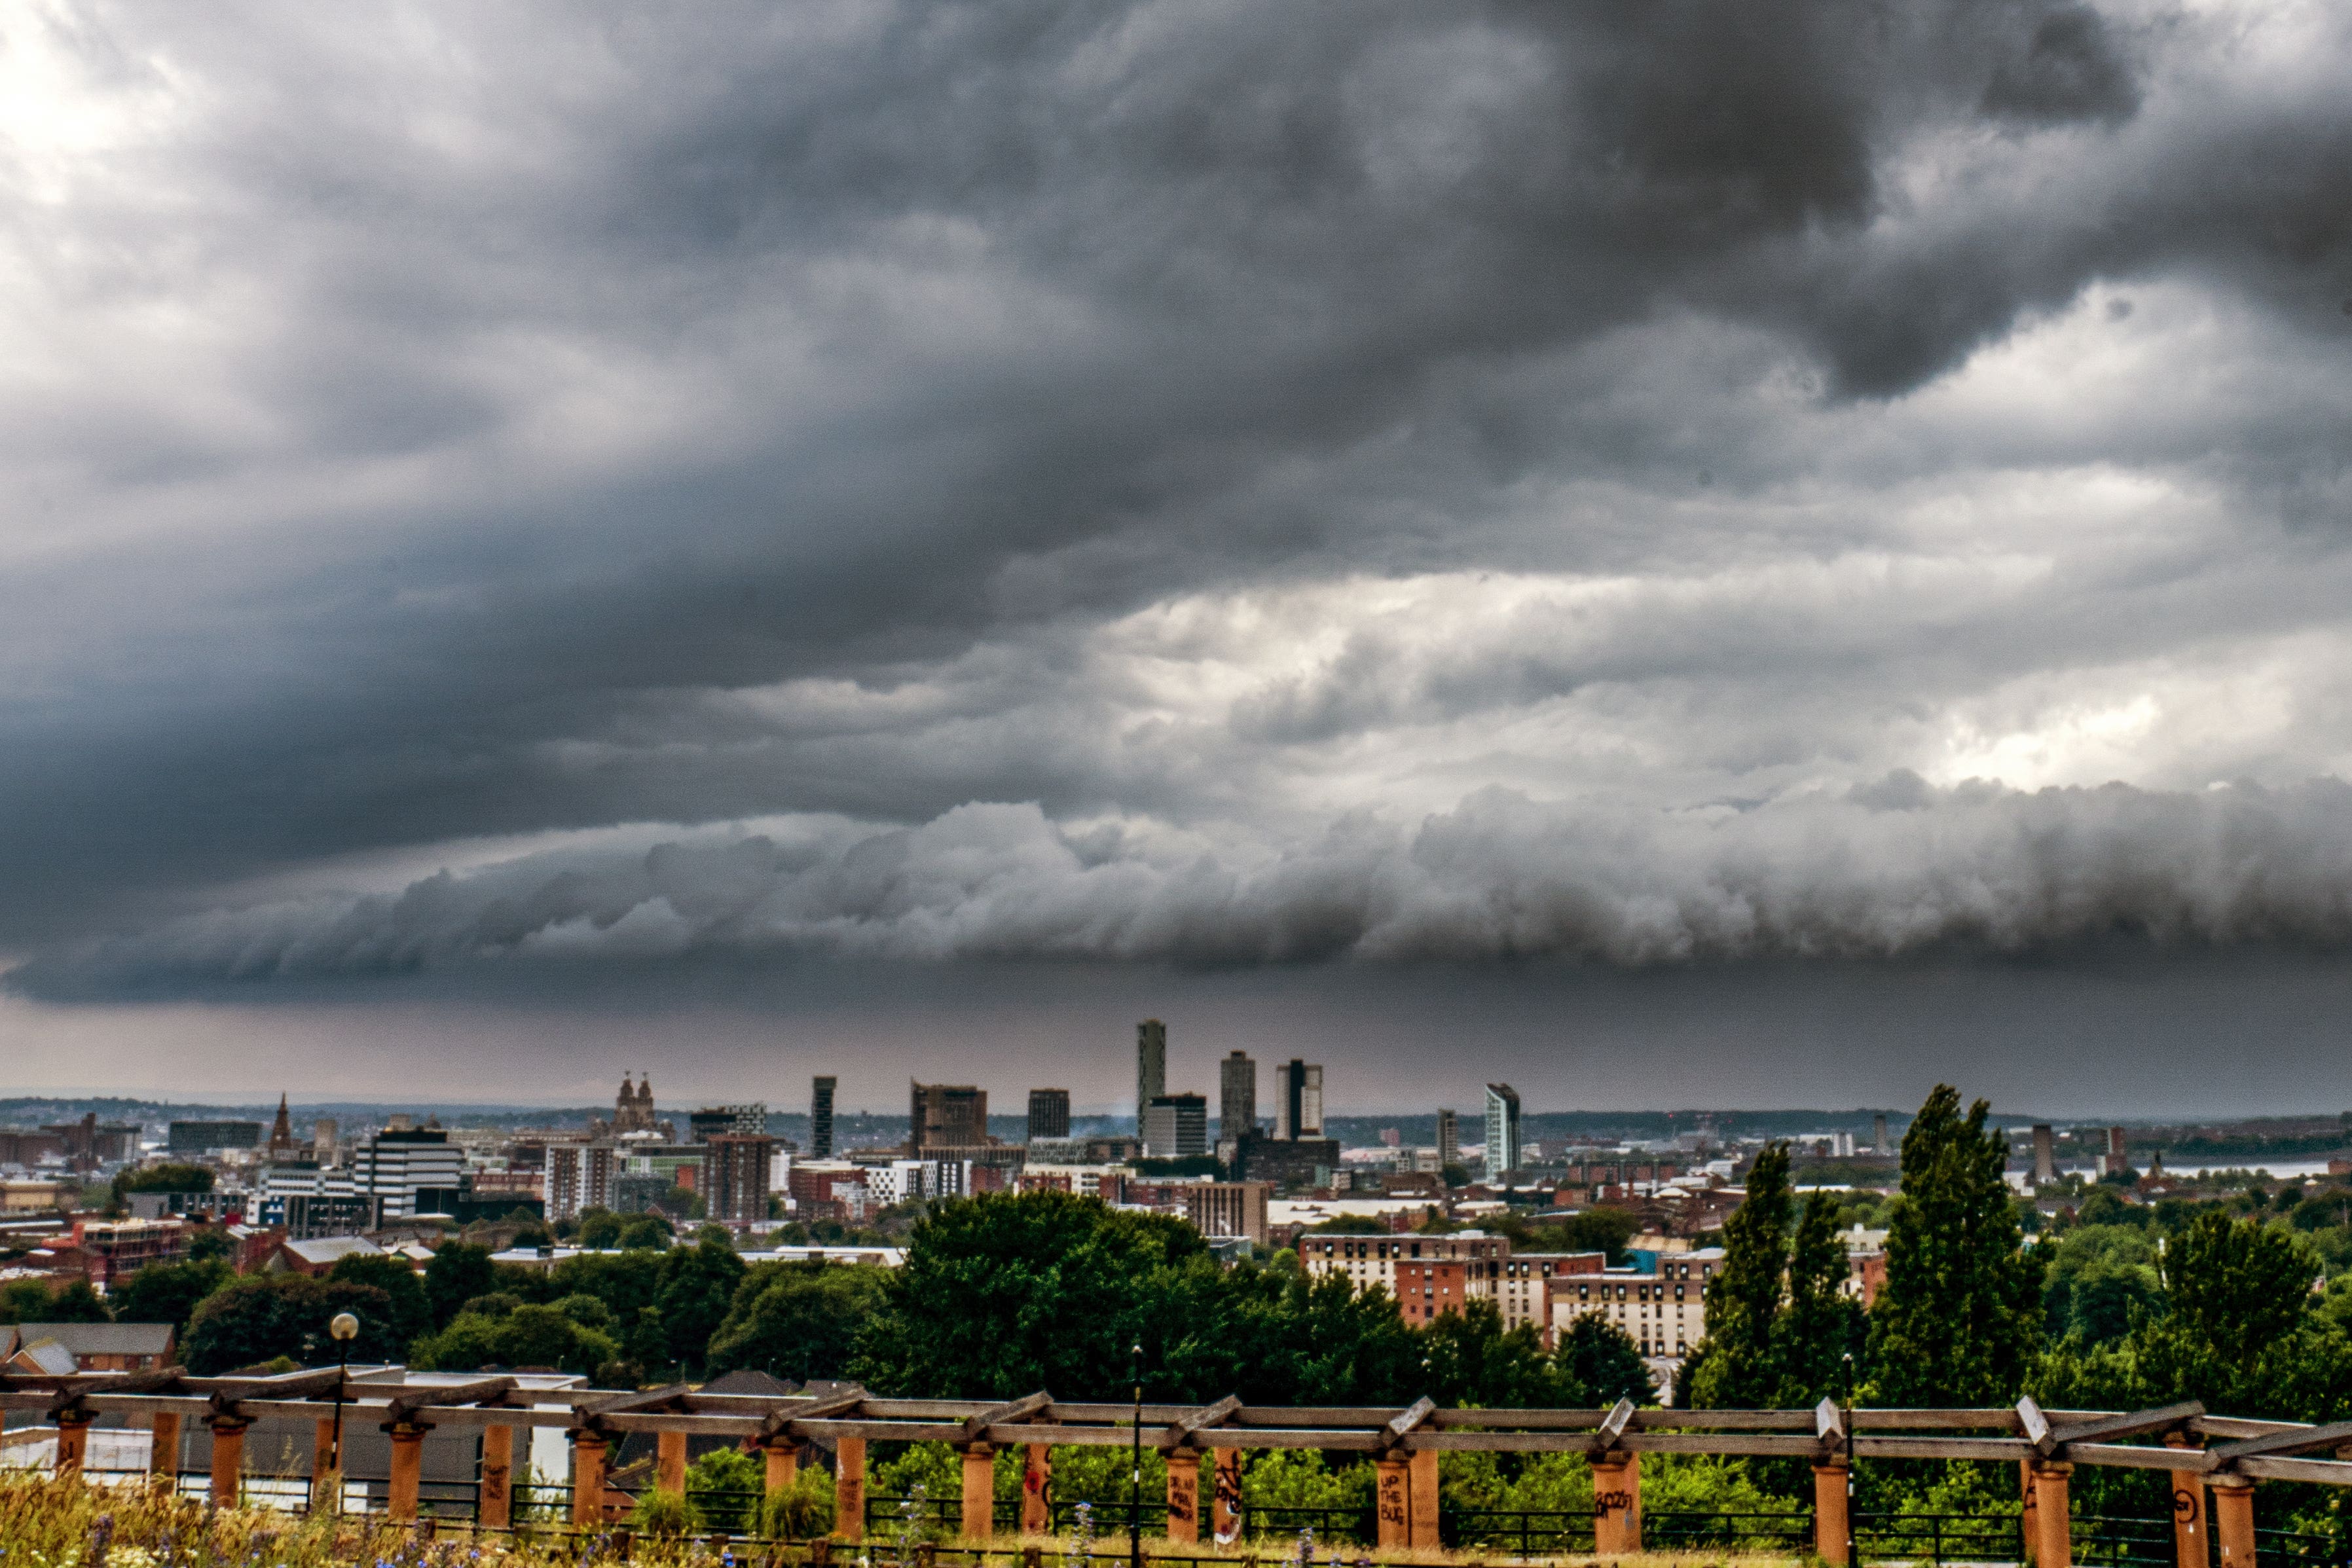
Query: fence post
(2233, 1520)
(849, 1487)
(1392, 1496)
(979, 1491)
(1617, 1502)
(2190, 1548)
(587, 1478)
(1183, 1495)
(1423, 1508)
(495, 1509)
(2053, 1535)
(164, 1450)
(1225, 1518)
(1829, 1520)
(669, 1449)
(1036, 1489)
(407, 1467)
(228, 1460)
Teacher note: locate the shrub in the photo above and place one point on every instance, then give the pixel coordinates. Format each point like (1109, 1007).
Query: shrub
(801, 1511)
(663, 1514)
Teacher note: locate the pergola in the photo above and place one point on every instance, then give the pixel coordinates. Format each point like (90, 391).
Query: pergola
(2201, 1453)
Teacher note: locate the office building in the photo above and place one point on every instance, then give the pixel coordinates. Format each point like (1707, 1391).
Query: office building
(1236, 1096)
(1229, 1208)
(735, 1176)
(1151, 1066)
(1878, 1134)
(1176, 1126)
(1297, 1100)
(1049, 1114)
(952, 1116)
(1502, 1130)
(1286, 1162)
(211, 1138)
(393, 1163)
(739, 1121)
(2045, 1154)
(1449, 1139)
(323, 1133)
(821, 1120)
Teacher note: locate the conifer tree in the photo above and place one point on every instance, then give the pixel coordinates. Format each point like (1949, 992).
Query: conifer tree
(1959, 1320)
(1777, 1324)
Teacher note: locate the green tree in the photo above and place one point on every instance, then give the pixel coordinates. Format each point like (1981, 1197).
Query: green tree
(698, 1287)
(32, 1301)
(1474, 1360)
(161, 1178)
(169, 1292)
(252, 1319)
(2237, 1330)
(528, 1334)
(1959, 1318)
(459, 1273)
(1778, 1322)
(404, 1293)
(1599, 1363)
(796, 1320)
(209, 1244)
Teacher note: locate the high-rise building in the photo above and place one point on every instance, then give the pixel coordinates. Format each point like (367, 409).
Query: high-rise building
(1449, 1139)
(735, 1187)
(821, 1120)
(744, 1121)
(1878, 1134)
(1298, 1099)
(1176, 1126)
(1151, 1066)
(2045, 1154)
(1236, 1096)
(323, 1140)
(950, 1114)
(1049, 1114)
(394, 1164)
(579, 1176)
(1502, 1130)
(1229, 1208)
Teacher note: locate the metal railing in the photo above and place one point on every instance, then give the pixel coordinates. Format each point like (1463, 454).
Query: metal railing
(2122, 1541)
(2318, 1548)
(1753, 1531)
(1529, 1529)
(1938, 1537)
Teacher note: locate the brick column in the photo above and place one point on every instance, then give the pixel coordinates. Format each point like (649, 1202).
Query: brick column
(2234, 1521)
(407, 1468)
(1829, 1505)
(849, 1489)
(1392, 1495)
(670, 1467)
(2053, 1536)
(1617, 1502)
(1422, 1467)
(784, 1464)
(2026, 1525)
(228, 1460)
(979, 1491)
(587, 1479)
(1225, 1513)
(1184, 1496)
(2192, 1547)
(164, 1450)
(324, 1494)
(73, 1440)
(1036, 1489)
(495, 1511)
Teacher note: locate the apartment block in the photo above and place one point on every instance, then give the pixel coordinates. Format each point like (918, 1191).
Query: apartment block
(1664, 1313)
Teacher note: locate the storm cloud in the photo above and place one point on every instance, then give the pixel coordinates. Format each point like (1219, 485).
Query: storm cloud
(1148, 483)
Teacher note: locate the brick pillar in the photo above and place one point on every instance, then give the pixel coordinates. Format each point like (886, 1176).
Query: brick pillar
(1393, 1495)
(496, 1508)
(2234, 1521)
(164, 1451)
(587, 1479)
(1036, 1489)
(1225, 1513)
(2192, 1547)
(73, 1441)
(979, 1491)
(783, 1457)
(1184, 1496)
(849, 1489)
(2053, 1535)
(1830, 1517)
(1422, 1467)
(324, 1494)
(670, 1462)
(407, 1468)
(228, 1460)
(1617, 1502)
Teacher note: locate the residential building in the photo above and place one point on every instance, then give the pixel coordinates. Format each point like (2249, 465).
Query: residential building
(1425, 1290)
(1151, 1066)
(1502, 1130)
(827, 1181)
(1236, 1097)
(394, 1164)
(946, 1115)
(736, 1188)
(110, 1249)
(1298, 1099)
(821, 1119)
(96, 1347)
(1286, 1162)
(1369, 1261)
(1049, 1114)
(1523, 1294)
(1229, 1208)
(1664, 1313)
(318, 1256)
(1449, 1139)
(746, 1121)
(197, 1138)
(1176, 1126)
(579, 1177)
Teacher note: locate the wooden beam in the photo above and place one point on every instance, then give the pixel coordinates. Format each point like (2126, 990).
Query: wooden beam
(409, 1401)
(1185, 1433)
(787, 1420)
(1613, 1427)
(1406, 1419)
(1829, 1423)
(227, 1397)
(2036, 1426)
(652, 1399)
(2132, 1425)
(2282, 1444)
(975, 1428)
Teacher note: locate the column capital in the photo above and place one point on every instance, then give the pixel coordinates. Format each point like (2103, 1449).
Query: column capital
(2057, 1467)
(2230, 1480)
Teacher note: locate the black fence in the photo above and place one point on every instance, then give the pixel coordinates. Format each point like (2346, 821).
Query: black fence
(2316, 1549)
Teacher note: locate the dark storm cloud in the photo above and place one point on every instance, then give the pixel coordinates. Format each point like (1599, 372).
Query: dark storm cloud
(1894, 869)
(555, 378)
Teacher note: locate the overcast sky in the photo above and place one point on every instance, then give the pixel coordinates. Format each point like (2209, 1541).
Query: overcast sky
(1683, 554)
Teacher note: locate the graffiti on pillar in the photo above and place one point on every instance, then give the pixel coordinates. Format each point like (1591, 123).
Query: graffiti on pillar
(1228, 1483)
(2184, 1505)
(1392, 1499)
(1184, 1493)
(1608, 1502)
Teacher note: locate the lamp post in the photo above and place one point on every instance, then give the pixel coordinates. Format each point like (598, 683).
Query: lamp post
(1135, 1474)
(1846, 1373)
(345, 1328)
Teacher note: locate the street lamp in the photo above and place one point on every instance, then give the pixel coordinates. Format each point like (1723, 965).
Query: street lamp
(1135, 1474)
(1846, 1372)
(345, 1328)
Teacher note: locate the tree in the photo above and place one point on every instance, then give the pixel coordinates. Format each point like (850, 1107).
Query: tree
(459, 1273)
(796, 1320)
(161, 1178)
(698, 1287)
(209, 1244)
(528, 1334)
(1474, 1360)
(252, 1319)
(33, 1302)
(1958, 1321)
(2236, 1329)
(169, 1292)
(1738, 1368)
(1599, 1364)
(404, 1293)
